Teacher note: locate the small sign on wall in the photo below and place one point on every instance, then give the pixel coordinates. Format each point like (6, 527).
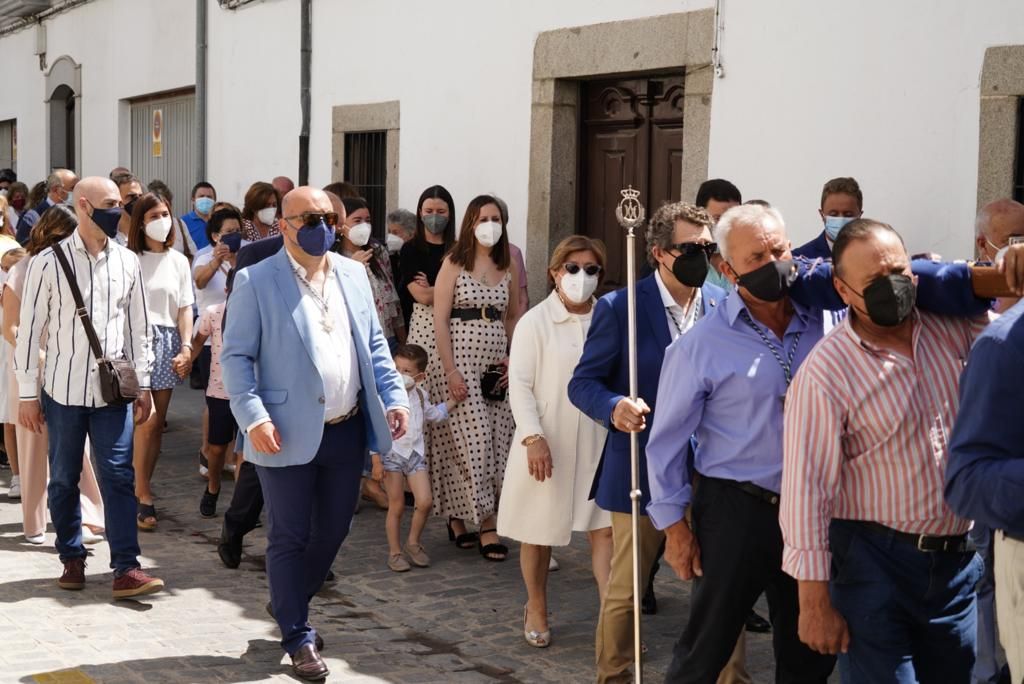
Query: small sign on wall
(158, 130)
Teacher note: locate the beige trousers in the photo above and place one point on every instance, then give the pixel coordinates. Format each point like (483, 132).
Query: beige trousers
(614, 643)
(1009, 576)
(33, 460)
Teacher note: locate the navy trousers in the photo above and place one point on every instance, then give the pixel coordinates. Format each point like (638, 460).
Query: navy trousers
(912, 615)
(309, 512)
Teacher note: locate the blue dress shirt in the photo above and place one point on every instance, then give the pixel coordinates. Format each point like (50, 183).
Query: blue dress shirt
(985, 473)
(197, 229)
(818, 248)
(722, 384)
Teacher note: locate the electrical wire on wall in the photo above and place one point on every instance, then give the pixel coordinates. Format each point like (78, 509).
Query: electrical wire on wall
(716, 48)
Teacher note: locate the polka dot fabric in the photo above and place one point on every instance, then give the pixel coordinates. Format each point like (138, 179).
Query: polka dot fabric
(469, 450)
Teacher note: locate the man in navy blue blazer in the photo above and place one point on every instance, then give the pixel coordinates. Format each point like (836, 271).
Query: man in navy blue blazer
(841, 202)
(59, 186)
(669, 302)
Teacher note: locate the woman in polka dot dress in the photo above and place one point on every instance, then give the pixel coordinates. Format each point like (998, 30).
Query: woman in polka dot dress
(474, 316)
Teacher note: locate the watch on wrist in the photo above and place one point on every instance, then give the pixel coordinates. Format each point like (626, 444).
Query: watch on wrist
(531, 440)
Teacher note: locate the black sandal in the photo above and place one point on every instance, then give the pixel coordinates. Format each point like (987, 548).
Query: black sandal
(208, 504)
(467, 540)
(146, 511)
(486, 550)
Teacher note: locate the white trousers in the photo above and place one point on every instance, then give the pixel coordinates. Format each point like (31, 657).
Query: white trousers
(1009, 571)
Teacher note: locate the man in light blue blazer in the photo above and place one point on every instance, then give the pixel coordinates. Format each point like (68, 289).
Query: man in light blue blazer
(312, 384)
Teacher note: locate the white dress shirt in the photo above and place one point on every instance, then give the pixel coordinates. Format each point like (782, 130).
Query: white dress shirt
(679, 321)
(112, 290)
(335, 350)
(420, 411)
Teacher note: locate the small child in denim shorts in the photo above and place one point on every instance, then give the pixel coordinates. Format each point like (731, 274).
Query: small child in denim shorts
(406, 462)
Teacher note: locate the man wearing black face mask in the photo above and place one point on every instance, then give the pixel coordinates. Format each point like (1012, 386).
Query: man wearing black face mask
(669, 303)
(130, 189)
(71, 402)
(885, 570)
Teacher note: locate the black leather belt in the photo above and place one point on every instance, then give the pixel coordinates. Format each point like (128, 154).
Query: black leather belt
(486, 313)
(766, 495)
(926, 543)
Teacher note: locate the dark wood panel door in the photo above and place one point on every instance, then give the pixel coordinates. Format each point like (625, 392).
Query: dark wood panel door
(632, 134)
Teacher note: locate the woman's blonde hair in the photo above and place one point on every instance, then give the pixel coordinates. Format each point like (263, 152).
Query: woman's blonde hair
(569, 246)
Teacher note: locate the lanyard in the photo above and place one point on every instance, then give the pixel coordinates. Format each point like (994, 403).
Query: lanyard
(787, 365)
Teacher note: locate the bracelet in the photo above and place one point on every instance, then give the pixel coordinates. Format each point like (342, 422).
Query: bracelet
(186, 344)
(531, 440)
(451, 374)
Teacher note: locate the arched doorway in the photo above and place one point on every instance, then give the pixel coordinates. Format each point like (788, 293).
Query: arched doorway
(64, 115)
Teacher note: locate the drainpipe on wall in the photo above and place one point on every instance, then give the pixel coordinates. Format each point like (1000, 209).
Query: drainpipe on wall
(201, 89)
(306, 59)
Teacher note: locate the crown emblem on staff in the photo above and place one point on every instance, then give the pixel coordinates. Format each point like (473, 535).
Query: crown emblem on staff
(630, 213)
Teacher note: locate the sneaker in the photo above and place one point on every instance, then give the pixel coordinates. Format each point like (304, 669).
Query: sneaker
(397, 562)
(90, 537)
(418, 555)
(36, 539)
(230, 468)
(208, 504)
(74, 574)
(204, 469)
(553, 564)
(15, 491)
(136, 582)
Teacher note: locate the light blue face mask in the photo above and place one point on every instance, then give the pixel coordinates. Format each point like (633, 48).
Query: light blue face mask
(716, 278)
(204, 205)
(834, 224)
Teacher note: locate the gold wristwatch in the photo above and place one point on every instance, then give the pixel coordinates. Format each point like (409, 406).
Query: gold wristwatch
(531, 440)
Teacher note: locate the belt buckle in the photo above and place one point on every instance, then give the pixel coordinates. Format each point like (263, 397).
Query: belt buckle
(484, 316)
(920, 544)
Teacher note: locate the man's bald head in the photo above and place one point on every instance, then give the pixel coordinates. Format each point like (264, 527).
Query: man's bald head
(283, 185)
(996, 223)
(305, 199)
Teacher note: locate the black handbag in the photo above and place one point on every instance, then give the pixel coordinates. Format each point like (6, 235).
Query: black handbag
(119, 383)
(490, 383)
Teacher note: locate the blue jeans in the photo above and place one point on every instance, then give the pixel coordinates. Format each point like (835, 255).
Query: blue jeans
(912, 615)
(309, 513)
(110, 430)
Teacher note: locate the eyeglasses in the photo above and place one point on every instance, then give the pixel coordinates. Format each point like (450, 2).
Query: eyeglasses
(312, 219)
(692, 248)
(573, 268)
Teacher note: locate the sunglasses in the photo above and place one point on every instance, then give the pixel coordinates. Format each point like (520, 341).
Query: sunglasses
(312, 219)
(573, 268)
(692, 248)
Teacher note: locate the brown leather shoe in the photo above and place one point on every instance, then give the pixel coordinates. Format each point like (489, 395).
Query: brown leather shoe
(136, 582)
(74, 574)
(307, 664)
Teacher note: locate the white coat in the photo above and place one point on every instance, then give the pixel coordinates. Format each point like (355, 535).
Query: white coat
(546, 347)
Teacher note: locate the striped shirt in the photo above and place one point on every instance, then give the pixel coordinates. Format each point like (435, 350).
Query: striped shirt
(112, 290)
(867, 438)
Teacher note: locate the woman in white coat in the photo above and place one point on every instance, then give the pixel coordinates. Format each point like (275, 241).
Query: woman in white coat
(556, 448)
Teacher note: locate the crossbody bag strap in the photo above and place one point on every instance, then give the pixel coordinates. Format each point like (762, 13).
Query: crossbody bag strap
(80, 310)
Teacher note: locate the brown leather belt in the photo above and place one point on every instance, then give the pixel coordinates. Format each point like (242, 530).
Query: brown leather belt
(342, 419)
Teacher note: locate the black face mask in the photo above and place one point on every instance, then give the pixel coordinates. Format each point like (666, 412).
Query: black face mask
(129, 207)
(890, 299)
(770, 282)
(691, 269)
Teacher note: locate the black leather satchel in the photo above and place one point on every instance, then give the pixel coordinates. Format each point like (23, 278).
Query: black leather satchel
(119, 384)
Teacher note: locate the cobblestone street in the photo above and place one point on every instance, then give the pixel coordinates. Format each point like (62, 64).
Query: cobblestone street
(458, 621)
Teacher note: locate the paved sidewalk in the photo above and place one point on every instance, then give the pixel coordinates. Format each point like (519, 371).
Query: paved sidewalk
(458, 621)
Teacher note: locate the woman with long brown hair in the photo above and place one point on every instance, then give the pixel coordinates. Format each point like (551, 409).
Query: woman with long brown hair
(56, 223)
(167, 281)
(475, 305)
(260, 212)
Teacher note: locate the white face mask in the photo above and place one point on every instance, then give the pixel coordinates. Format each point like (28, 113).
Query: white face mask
(394, 243)
(409, 381)
(578, 287)
(488, 233)
(159, 229)
(359, 234)
(267, 215)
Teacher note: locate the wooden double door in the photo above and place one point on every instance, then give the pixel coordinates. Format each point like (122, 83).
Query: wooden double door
(632, 134)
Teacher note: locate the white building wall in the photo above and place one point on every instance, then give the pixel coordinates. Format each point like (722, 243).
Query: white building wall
(886, 92)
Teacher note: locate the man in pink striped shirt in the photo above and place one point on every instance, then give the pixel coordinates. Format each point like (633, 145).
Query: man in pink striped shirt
(886, 575)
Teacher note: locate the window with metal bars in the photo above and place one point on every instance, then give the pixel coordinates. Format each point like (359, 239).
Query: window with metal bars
(1018, 171)
(366, 158)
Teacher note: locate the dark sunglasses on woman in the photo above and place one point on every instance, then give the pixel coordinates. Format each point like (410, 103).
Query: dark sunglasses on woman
(573, 268)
